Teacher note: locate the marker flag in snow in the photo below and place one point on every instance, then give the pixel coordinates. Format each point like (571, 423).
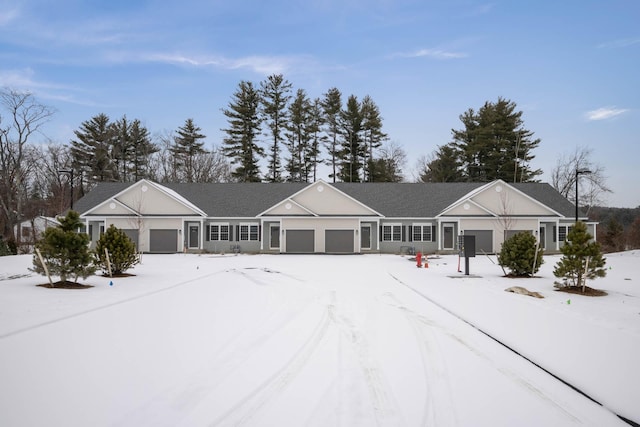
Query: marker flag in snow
(110, 282)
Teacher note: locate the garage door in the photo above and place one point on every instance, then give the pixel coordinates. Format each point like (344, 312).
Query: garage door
(163, 241)
(300, 241)
(484, 240)
(338, 241)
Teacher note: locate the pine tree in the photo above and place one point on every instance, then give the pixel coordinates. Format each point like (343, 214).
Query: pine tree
(275, 96)
(121, 249)
(298, 136)
(443, 167)
(634, 234)
(244, 127)
(582, 258)
(65, 250)
(121, 150)
(614, 239)
(312, 157)
(91, 150)
(495, 145)
(142, 149)
(186, 146)
(352, 149)
(332, 106)
(519, 255)
(372, 133)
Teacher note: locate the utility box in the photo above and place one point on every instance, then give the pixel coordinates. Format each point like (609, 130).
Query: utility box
(468, 246)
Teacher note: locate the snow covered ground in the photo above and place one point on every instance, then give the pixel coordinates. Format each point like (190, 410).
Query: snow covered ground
(276, 340)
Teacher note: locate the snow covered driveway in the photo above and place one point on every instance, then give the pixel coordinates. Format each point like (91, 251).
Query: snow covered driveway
(263, 341)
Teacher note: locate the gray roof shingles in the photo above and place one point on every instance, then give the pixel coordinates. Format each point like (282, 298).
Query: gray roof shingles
(399, 200)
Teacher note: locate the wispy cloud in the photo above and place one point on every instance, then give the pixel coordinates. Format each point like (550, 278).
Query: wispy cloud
(25, 80)
(604, 113)
(261, 64)
(431, 53)
(621, 43)
(7, 16)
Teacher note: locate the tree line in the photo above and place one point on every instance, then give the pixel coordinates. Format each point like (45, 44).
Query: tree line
(272, 134)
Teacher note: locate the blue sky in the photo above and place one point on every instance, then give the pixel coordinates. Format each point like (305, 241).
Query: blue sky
(571, 66)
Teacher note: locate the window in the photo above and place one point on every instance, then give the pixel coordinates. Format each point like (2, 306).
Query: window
(219, 232)
(249, 232)
(563, 231)
(392, 232)
(422, 233)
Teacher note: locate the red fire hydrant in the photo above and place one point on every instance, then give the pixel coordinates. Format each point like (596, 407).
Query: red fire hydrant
(419, 259)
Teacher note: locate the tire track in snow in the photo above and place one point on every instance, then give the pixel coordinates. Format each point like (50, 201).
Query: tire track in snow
(437, 408)
(232, 353)
(113, 304)
(508, 373)
(245, 409)
(386, 410)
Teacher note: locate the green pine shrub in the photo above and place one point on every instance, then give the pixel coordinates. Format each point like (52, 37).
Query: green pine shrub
(65, 251)
(519, 255)
(122, 251)
(579, 247)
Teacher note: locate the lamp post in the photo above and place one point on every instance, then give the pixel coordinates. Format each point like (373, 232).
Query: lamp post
(70, 173)
(578, 173)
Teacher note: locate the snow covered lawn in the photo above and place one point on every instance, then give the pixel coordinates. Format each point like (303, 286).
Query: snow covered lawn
(276, 340)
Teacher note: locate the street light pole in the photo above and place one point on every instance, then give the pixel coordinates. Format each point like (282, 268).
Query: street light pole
(70, 173)
(578, 173)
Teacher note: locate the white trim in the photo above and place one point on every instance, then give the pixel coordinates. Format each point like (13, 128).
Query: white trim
(189, 225)
(392, 225)
(279, 247)
(327, 185)
(219, 224)
(360, 237)
(248, 224)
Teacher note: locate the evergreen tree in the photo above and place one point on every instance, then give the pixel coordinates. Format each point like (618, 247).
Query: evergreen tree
(121, 150)
(65, 250)
(613, 240)
(352, 149)
(519, 255)
(121, 249)
(240, 143)
(372, 132)
(298, 136)
(275, 93)
(332, 107)
(142, 149)
(495, 145)
(443, 167)
(186, 146)
(634, 234)
(582, 258)
(312, 157)
(92, 148)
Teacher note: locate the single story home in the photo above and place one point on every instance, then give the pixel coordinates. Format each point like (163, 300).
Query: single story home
(322, 217)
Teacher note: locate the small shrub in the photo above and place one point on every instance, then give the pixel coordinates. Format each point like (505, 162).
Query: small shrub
(579, 247)
(519, 255)
(65, 251)
(122, 251)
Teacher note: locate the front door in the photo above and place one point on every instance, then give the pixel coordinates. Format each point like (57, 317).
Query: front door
(365, 237)
(274, 237)
(194, 234)
(447, 237)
